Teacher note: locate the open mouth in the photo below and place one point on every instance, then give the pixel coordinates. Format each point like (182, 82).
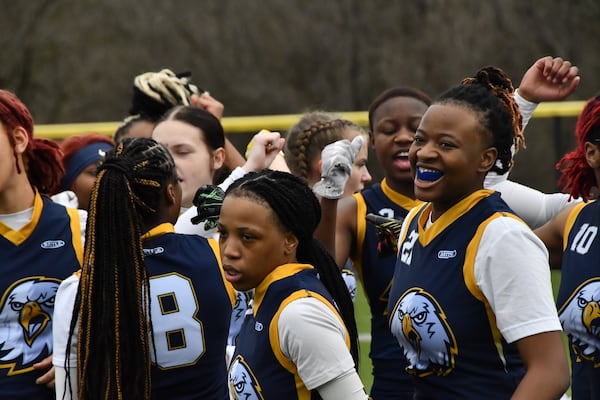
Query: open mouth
(401, 160)
(428, 175)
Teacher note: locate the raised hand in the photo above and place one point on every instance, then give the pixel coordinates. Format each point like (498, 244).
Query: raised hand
(336, 166)
(549, 79)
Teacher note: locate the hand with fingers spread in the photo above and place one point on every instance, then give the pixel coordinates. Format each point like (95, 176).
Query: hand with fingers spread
(336, 166)
(549, 79)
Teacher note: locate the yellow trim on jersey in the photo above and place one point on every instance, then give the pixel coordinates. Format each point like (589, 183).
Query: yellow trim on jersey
(18, 237)
(448, 217)
(471, 283)
(403, 201)
(361, 230)
(214, 245)
(76, 232)
(159, 230)
(276, 345)
(570, 221)
(406, 223)
(283, 271)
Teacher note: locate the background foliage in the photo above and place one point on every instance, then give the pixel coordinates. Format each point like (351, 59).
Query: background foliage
(74, 61)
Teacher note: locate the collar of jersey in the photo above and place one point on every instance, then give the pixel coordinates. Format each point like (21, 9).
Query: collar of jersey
(403, 201)
(283, 271)
(159, 230)
(448, 217)
(18, 237)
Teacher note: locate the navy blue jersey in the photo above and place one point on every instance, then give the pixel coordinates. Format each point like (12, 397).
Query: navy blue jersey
(191, 309)
(375, 270)
(259, 370)
(34, 260)
(579, 297)
(442, 321)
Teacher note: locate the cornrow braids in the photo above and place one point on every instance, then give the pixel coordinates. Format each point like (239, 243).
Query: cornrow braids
(42, 157)
(490, 95)
(299, 211)
(303, 147)
(112, 303)
(577, 176)
(399, 91)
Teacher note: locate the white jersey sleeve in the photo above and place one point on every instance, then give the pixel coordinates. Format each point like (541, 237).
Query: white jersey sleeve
(61, 324)
(532, 206)
(314, 339)
(512, 271)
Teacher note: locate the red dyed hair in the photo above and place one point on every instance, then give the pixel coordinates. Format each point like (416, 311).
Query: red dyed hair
(42, 157)
(577, 176)
(73, 144)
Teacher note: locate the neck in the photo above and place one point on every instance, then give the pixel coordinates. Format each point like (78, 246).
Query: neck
(17, 196)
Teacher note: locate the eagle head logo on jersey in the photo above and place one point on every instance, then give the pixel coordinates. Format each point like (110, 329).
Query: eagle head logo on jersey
(26, 323)
(580, 318)
(242, 382)
(420, 326)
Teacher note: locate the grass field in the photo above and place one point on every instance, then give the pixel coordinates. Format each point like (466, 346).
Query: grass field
(363, 320)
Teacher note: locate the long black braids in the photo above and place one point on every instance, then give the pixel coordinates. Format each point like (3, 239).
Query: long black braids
(113, 303)
(490, 95)
(298, 210)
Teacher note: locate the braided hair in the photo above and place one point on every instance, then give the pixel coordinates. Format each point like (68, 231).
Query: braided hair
(298, 210)
(42, 157)
(577, 176)
(112, 303)
(154, 93)
(490, 95)
(307, 138)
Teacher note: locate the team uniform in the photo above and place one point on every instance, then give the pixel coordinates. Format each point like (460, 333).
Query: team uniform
(35, 259)
(302, 340)
(190, 307)
(579, 298)
(375, 270)
(465, 289)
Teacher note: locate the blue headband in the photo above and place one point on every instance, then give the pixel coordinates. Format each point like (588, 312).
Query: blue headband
(90, 154)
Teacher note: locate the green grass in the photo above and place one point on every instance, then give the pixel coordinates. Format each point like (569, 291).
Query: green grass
(363, 320)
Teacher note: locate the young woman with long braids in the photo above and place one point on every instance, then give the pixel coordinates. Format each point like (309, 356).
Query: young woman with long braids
(300, 341)
(148, 315)
(40, 243)
(572, 239)
(394, 116)
(471, 302)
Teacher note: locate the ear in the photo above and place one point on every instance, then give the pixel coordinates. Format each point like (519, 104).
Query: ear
(371, 139)
(218, 158)
(487, 160)
(290, 244)
(21, 139)
(170, 194)
(592, 155)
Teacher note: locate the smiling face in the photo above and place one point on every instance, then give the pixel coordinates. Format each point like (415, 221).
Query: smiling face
(252, 242)
(195, 161)
(449, 156)
(394, 123)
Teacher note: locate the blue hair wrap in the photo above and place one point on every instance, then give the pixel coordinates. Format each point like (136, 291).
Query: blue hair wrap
(87, 155)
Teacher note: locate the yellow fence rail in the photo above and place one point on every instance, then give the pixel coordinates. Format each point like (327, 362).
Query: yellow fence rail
(249, 124)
